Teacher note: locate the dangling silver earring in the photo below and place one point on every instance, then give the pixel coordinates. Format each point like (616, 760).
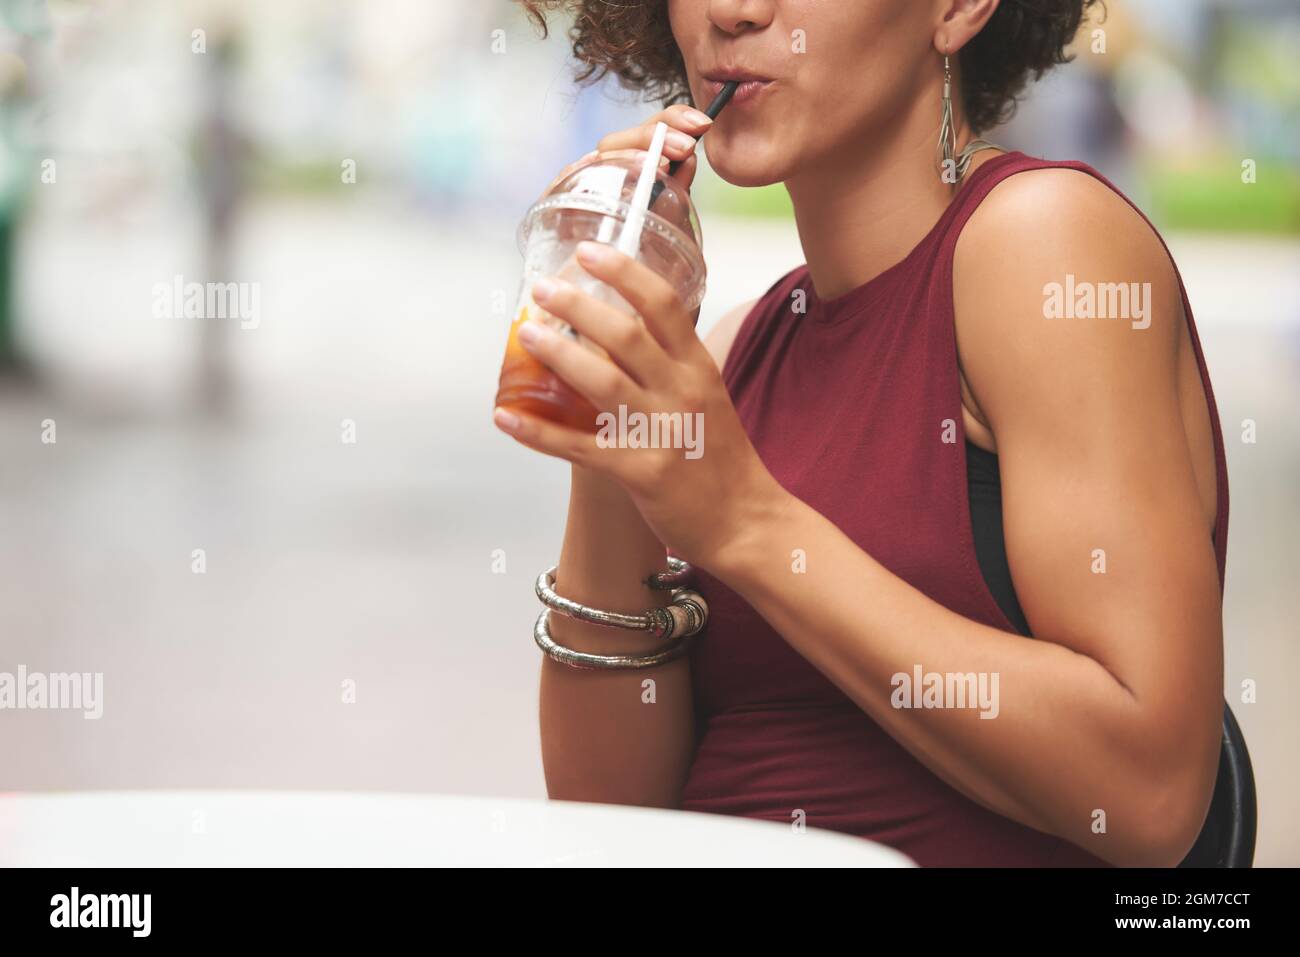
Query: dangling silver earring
(958, 163)
(947, 133)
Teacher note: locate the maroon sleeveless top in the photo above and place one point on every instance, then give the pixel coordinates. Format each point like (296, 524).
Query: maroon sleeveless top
(845, 404)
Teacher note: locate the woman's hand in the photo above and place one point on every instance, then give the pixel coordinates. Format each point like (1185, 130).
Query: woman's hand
(707, 487)
(685, 126)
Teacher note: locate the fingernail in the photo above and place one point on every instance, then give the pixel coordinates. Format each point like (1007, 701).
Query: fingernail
(506, 420)
(592, 155)
(698, 116)
(543, 289)
(594, 253)
(681, 140)
(531, 332)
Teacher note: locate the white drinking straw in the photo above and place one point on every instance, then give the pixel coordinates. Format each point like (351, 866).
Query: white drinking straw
(629, 241)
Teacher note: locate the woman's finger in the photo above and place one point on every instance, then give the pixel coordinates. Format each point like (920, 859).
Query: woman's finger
(677, 145)
(689, 122)
(546, 437)
(652, 296)
(624, 337)
(598, 380)
(685, 126)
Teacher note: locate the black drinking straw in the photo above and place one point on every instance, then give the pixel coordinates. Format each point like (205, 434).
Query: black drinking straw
(719, 101)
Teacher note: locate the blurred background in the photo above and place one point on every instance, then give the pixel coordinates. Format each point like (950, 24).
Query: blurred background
(236, 522)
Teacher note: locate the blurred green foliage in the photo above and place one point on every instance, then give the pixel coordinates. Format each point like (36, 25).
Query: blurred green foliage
(713, 195)
(1205, 197)
(1213, 197)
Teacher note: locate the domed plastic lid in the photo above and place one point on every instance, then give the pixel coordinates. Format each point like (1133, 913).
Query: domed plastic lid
(605, 183)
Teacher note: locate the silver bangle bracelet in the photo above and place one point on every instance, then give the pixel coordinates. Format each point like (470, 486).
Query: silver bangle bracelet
(581, 659)
(677, 576)
(684, 617)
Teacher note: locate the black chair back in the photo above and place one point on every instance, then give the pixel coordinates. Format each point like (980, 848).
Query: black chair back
(1227, 838)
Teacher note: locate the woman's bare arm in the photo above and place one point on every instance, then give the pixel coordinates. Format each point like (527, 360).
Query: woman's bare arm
(621, 737)
(1114, 708)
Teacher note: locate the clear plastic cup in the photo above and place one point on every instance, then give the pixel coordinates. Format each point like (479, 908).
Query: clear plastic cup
(591, 201)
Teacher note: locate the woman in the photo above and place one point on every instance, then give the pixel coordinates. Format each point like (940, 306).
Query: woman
(979, 413)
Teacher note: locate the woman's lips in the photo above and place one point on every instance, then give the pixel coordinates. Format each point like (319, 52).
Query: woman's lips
(745, 92)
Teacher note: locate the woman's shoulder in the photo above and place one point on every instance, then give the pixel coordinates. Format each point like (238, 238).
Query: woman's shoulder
(1058, 209)
(1062, 287)
(1054, 229)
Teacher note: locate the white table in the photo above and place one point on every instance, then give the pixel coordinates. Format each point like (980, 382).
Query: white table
(283, 828)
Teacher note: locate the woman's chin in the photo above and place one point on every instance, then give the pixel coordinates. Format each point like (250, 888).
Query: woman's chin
(738, 169)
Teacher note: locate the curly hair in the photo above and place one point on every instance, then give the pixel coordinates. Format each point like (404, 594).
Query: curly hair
(634, 42)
